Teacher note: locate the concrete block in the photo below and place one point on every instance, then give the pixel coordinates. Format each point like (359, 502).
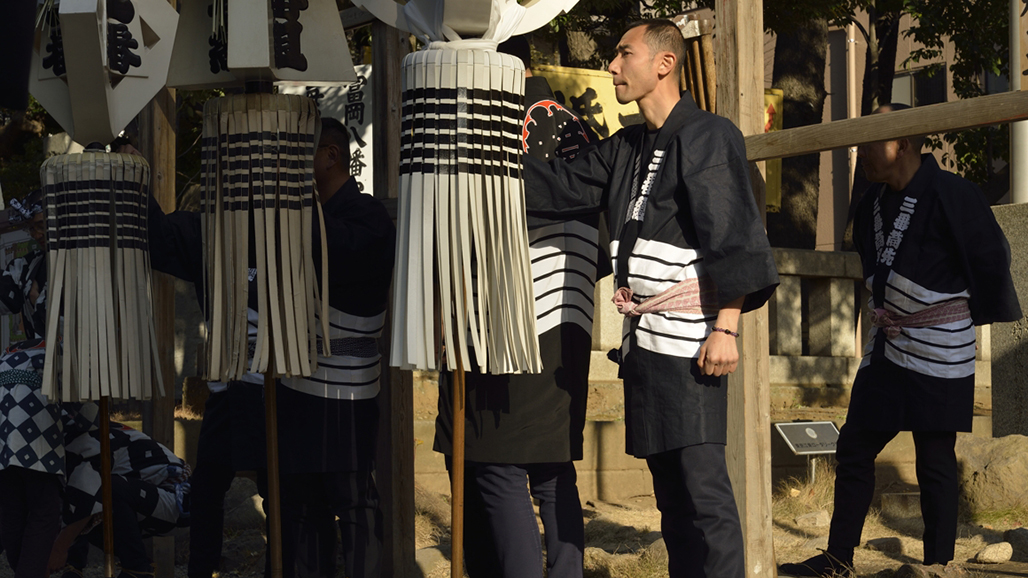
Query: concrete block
(601, 368)
(606, 401)
(785, 324)
(809, 263)
(901, 505)
(614, 486)
(604, 448)
(606, 319)
(1009, 341)
(812, 371)
(831, 317)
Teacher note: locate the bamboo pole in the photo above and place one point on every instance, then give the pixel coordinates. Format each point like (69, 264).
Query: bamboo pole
(274, 490)
(106, 495)
(457, 476)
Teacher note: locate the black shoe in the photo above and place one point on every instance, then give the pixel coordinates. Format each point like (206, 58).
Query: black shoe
(821, 566)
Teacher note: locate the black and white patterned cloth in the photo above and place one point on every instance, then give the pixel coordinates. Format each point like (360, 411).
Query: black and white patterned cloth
(163, 505)
(31, 433)
(16, 291)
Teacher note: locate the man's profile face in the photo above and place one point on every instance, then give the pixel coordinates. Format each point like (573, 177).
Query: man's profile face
(633, 67)
(879, 158)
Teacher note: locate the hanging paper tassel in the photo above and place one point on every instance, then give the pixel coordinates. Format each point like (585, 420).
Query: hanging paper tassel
(258, 152)
(99, 271)
(462, 226)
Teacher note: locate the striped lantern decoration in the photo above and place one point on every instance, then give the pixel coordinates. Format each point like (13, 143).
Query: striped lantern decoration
(461, 214)
(99, 272)
(258, 166)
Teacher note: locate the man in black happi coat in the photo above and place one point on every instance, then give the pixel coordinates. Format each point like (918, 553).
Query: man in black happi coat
(683, 221)
(937, 264)
(528, 427)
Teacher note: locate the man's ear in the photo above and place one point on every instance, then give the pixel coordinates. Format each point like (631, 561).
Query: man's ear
(666, 63)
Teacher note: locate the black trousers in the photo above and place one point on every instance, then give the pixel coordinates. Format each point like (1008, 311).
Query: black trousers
(231, 439)
(501, 537)
(30, 518)
(310, 504)
(129, 496)
(855, 484)
(698, 517)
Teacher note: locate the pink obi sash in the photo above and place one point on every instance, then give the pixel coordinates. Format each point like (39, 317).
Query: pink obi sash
(695, 295)
(948, 312)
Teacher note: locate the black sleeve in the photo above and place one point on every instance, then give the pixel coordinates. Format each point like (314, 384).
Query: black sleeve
(983, 252)
(176, 244)
(562, 190)
(736, 252)
(361, 243)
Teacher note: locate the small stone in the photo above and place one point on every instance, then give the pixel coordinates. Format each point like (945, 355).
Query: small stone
(794, 492)
(656, 551)
(933, 571)
(818, 519)
(995, 553)
(890, 545)
(428, 559)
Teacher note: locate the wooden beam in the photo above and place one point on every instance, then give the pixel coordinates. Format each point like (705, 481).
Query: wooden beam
(944, 117)
(395, 457)
(740, 98)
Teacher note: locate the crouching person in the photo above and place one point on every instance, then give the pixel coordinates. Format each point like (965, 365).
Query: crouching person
(150, 487)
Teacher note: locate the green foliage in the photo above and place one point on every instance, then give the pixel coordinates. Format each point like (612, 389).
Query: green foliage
(978, 31)
(21, 143)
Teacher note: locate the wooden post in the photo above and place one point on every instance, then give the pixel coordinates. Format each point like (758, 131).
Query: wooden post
(740, 93)
(394, 469)
(457, 476)
(157, 143)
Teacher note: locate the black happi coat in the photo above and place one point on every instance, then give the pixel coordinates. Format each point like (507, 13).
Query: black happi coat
(334, 431)
(680, 207)
(538, 418)
(952, 248)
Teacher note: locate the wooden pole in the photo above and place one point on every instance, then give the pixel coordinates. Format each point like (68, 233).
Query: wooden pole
(394, 464)
(740, 98)
(457, 476)
(157, 143)
(274, 490)
(106, 495)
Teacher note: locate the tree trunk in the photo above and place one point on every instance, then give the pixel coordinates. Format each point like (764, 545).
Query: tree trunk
(879, 71)
(799, 71)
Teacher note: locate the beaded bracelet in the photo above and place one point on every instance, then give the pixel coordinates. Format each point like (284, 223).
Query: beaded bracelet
(723, 330)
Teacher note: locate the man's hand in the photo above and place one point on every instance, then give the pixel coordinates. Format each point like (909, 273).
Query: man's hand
(718, 355)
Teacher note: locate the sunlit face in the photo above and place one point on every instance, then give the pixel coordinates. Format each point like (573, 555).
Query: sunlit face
(879, 159)
(634, 68)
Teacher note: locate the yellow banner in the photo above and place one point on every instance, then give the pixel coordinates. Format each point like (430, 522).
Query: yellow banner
(590, 95)
(773, 102)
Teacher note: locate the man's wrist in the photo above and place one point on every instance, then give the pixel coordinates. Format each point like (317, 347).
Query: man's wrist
(725, 331)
